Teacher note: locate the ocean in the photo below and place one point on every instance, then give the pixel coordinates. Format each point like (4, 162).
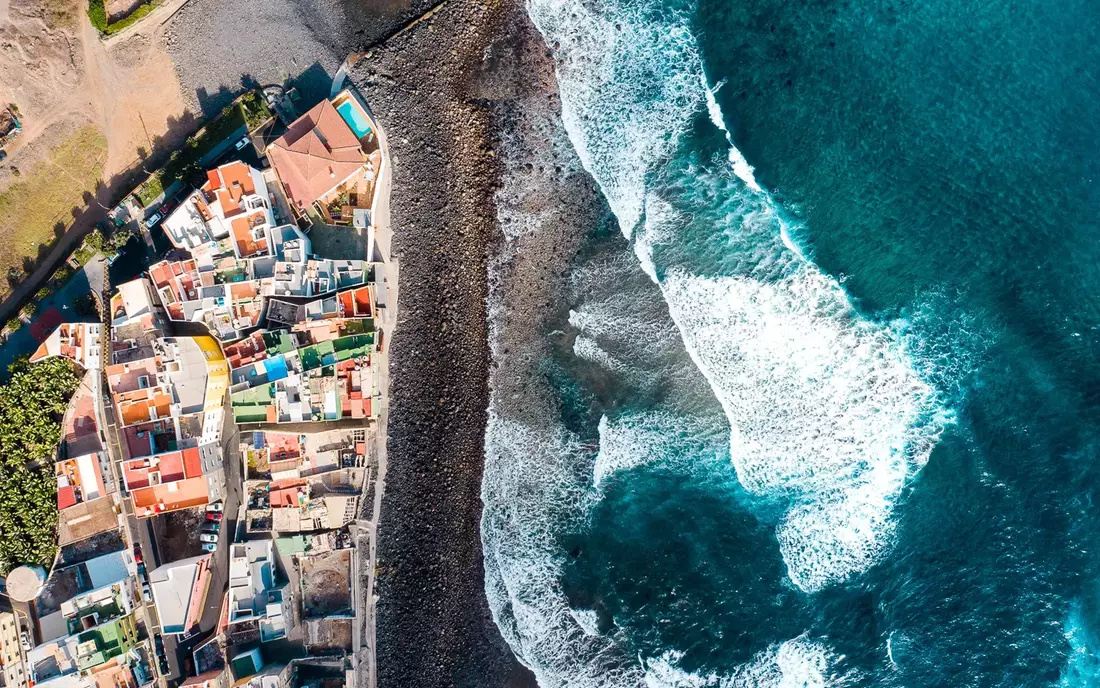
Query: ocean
(823, 389)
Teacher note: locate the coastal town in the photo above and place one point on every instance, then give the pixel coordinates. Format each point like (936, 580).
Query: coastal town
(221, 460)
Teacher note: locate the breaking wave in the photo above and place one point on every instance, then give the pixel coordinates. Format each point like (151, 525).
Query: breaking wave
(827, 410)
(530, 500)
(796, 663)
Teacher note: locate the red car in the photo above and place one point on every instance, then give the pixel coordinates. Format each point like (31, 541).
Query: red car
(214, 515)
(138, 559)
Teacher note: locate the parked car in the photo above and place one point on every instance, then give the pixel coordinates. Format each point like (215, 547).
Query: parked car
(214, 515)
(25, 639)
(209, 547)
(243, 142)
(208, 537)
(212, 527)
(138, 559)
(152, 221)
(141, 571)
(146, 593)
(216, 507)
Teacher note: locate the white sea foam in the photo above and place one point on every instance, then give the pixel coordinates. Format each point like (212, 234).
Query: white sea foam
(827, 413)
(796, 663)
(619, 115)
(1082, 668)
(738, 163)
(589, 349)
(639, 439)
(826, 409)
(530, 497)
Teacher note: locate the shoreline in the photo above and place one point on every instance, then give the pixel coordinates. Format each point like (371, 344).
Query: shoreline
(435, 88)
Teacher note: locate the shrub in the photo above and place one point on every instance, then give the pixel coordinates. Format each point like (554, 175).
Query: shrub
(151, 189)
(13, 324)
(256, 111)
(120, 238)
(97, 13)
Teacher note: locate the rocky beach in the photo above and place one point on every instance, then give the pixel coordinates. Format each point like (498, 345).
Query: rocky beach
(464, 95)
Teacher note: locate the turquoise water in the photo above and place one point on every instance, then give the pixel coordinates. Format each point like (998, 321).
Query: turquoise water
(829, 394)
(354, 117)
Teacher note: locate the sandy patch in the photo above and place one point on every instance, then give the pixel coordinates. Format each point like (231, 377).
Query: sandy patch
(63, 80)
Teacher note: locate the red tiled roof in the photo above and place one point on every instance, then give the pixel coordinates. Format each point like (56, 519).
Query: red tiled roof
(316, 153)
(66, 497)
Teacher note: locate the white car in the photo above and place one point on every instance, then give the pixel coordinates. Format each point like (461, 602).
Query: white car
(243, 142)
(209, 537)
(153, 219)
(26, 641)
(207, 547)
(216, 506)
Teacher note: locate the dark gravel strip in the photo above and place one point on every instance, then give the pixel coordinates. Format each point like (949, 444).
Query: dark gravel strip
(433, 91)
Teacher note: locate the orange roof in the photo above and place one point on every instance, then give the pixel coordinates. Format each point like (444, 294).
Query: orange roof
(316, 153)
(182, 494)
(229, 204)
(139, 406)
(242, 235)
(237, 179)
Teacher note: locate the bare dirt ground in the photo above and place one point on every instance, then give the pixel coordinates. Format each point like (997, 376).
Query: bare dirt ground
(326, 583)
(63, 79)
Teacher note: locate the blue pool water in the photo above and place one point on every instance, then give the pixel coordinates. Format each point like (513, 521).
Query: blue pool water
(830, 399)
(354, 117)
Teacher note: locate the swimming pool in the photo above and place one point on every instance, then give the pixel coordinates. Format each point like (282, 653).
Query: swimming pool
(354, 117)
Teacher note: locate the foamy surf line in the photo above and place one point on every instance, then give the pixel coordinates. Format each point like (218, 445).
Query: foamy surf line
(825, 409)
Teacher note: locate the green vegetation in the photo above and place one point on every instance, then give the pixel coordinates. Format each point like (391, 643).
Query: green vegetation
(132, 18)
(32, 405)
(42, 198)
(85, 306)
(256, 111)
(150, 190)
(97, 14)
(96, 242)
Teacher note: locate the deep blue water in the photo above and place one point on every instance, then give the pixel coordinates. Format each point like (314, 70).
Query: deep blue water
(831, 420)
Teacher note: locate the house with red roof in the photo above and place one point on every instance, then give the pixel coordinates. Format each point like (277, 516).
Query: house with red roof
(328, 159)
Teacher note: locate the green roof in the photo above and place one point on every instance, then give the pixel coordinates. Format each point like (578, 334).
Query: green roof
(291, 544)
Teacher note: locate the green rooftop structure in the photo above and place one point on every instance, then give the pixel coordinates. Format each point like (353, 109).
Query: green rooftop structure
(106, 641)
(250, 405)
(277, 343)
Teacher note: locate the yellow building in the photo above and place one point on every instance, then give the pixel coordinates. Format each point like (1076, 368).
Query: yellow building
(217, 372)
